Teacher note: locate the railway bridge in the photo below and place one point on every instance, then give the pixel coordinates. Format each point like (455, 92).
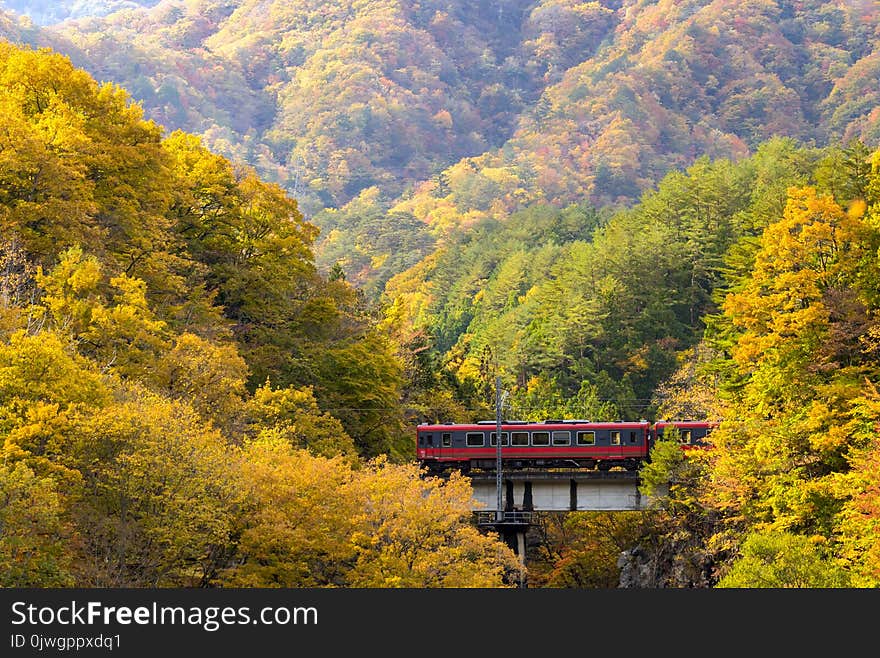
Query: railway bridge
(524, 492)
(559, 490)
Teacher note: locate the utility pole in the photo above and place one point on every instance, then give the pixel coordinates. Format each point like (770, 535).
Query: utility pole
(499, 514)
(514, 527)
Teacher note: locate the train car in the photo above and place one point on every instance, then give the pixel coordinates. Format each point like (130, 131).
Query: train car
(547, 444)
(691, 434)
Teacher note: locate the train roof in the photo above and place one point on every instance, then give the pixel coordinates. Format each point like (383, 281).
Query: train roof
(481, 424)
(686, 422)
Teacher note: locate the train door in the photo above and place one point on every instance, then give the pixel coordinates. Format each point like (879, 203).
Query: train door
(426, 444)
(636, 448)
(617, 439)
(444, 445)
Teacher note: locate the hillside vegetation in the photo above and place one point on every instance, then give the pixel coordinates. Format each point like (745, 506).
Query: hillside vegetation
(183, 399)
(456, 111)
(232, 284)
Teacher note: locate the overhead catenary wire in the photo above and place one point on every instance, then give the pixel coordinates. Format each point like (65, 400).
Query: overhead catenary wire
(634, 402)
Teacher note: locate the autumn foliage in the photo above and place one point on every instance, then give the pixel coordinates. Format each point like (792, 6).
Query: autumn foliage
(184, 400)
(209, 370)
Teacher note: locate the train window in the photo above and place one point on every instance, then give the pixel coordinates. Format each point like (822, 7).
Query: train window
(561, 438)
(586, 438)
(540, 438)
(421, 439)
(447, 440)
(519, 438)
(474, 439)
(685, 436)
(615, 437)
(429, 438)
(493, 439)
(632, 437)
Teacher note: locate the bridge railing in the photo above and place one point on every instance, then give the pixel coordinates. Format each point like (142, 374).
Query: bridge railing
(507, 517)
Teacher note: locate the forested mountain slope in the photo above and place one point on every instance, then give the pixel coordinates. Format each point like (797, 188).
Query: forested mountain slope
(584, 312)
(342, 95)
(49, 12)
(456, 111)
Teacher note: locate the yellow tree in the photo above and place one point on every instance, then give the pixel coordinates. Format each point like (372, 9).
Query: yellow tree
(83, 167)
(210, 376)
(294, 414)
(34, 548)
(108, 318)
(160, 490)
(317, 522)
(46, 198)
(44, 388)
(418, 532)
(800, 358)
(295, 524)
(859, 520)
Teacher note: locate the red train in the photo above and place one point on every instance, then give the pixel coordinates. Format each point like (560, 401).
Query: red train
(549, 444)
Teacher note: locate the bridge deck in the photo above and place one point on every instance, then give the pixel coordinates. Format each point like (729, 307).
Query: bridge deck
(538, 474)
(559, 490)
